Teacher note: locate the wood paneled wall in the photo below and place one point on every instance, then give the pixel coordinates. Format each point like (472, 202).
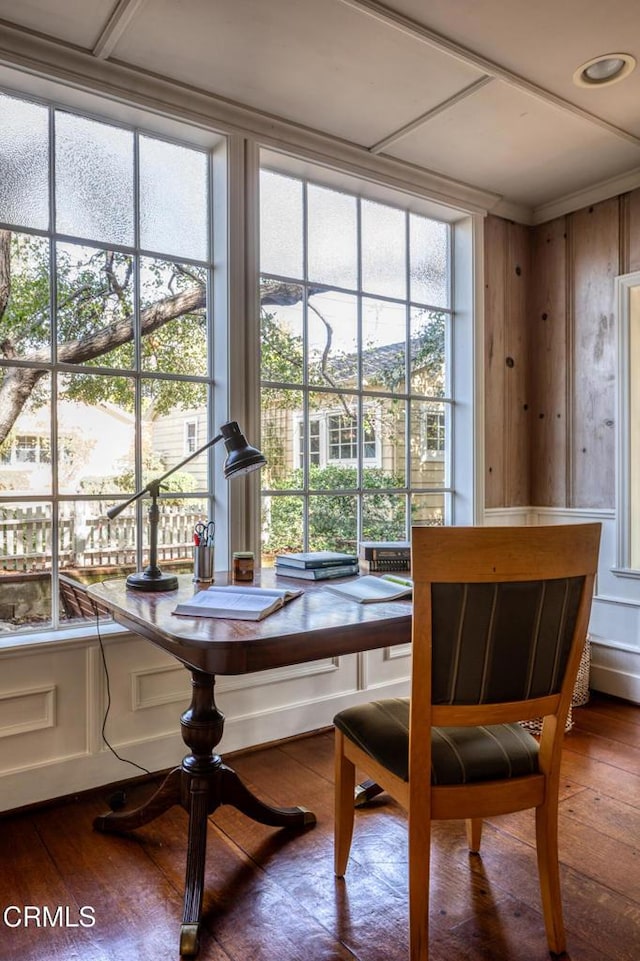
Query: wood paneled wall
(507, 407)
(550, 354)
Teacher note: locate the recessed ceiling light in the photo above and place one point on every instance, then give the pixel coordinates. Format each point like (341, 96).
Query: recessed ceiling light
(606, 69)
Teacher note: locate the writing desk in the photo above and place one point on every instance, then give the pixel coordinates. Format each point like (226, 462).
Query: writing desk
(316, 625)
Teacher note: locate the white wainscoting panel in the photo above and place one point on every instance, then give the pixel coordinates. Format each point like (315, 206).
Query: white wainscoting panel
(32, 709)
(43, 708)
(155, 686)
(615, 613)
(53, 699)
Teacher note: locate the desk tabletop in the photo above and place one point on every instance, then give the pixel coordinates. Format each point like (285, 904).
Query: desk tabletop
(315, 625)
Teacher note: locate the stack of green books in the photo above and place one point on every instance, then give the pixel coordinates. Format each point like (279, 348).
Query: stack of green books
(316, 565)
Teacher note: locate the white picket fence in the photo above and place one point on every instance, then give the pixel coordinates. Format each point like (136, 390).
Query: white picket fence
(87, 541)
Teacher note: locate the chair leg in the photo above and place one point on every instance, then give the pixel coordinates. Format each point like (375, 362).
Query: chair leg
(345, 778)
(419, 867)
(474, 834)
(549, 871)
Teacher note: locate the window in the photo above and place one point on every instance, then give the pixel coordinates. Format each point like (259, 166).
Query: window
(434, 435)
(333, 438)
(26, 449)
(190, 436)
(105, 345)
(356, 328)
(628, 472)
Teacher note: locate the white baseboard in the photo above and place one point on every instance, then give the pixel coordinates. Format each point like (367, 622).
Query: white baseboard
(614, 670)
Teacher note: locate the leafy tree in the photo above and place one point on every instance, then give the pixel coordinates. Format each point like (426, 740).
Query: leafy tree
(95, 323)
(94, 318)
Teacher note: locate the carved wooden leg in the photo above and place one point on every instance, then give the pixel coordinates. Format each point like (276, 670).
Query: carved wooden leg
(202, 725)
(196, 858)
(201, 785)
(233, 791)
(168, 794)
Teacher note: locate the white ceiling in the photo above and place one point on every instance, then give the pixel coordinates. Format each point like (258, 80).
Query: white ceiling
(479, 91)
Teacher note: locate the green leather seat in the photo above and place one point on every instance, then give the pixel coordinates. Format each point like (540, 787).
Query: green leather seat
(459, 755)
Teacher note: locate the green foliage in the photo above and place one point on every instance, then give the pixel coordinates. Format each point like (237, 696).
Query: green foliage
(281, 360)
(25, 322)
(427, 357)
(95, 291)
(333, 521)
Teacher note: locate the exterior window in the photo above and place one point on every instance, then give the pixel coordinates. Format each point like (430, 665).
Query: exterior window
(356, 320)
(343, 437)
(434, 435)
(314, 443)
(190, 436)
(26, 450)
(334, 438)
(105, 270)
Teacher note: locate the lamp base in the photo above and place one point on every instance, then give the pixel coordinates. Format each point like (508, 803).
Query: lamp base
(156, 581)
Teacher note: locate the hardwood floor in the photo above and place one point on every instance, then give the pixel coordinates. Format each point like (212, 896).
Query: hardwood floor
(271, 895)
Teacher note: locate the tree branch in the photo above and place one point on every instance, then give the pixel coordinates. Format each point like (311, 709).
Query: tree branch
(18, 383)
(5, 270)
(17, 387)
(325, 357)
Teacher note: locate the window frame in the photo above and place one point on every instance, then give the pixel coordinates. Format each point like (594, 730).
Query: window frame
(236, 136)
(627, 295)
(214, 146)
(463, 484)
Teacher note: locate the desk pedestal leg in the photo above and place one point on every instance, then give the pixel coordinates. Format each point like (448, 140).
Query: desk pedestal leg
(168, 794)
(201, 785)
(196, 856)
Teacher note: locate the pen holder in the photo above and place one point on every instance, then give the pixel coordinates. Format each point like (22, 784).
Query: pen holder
(203, 564)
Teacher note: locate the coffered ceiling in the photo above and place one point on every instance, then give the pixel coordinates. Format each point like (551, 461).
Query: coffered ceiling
(478, 91)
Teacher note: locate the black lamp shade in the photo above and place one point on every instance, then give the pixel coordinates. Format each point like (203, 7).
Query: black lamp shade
(242, 458)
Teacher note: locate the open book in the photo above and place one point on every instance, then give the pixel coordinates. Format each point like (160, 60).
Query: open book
(369, 589)
(237, 603)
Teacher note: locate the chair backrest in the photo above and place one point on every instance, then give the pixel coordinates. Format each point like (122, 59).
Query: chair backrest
(500, 620)
(76, 603)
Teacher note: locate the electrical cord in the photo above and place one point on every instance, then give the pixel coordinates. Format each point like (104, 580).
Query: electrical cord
(125, 760)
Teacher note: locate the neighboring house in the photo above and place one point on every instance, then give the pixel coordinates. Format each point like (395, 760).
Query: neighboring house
(333, 436)
(25, 457)
(175, 436)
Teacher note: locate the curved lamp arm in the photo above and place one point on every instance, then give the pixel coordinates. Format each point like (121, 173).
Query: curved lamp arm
(241, 458)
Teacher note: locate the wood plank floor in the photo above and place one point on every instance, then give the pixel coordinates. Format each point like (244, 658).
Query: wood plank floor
(271, 895)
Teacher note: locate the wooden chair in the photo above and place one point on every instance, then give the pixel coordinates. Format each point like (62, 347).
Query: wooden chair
(500, 618)
(75, 601)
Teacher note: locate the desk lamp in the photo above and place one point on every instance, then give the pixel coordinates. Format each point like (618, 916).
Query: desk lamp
(241, 459)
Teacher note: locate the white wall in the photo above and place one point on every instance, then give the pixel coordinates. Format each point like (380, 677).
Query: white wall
(615, 614)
